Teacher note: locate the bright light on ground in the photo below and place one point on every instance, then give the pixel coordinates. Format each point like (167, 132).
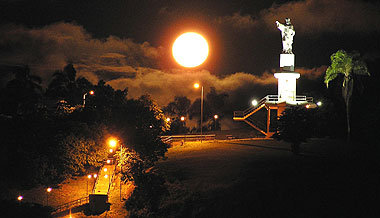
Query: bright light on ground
(190, 49)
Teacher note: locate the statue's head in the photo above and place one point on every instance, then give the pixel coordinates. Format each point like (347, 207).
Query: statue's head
(287, 21)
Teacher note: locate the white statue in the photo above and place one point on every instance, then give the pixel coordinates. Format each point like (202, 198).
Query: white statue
(287, 33)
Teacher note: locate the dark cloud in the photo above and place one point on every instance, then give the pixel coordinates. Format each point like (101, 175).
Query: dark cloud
(237, 20)
(313, 16)
(317, 16)
(51, 47)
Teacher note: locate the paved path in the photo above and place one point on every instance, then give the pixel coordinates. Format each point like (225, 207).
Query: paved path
(104, 180)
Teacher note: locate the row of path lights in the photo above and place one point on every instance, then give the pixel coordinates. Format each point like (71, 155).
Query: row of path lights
(113, 143)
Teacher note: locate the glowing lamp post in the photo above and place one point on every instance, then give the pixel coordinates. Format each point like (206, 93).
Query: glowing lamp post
(48, 190)
(84, 96)
(215, 118)
(196, 85)
(89, 178)
(19, 198)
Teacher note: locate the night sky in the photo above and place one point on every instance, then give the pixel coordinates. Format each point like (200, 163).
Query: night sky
(128, 43)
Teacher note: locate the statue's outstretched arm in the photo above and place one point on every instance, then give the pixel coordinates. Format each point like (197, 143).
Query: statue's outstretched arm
(280, 26)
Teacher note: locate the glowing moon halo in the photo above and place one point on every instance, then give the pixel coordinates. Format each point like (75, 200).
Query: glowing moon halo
(190, 49)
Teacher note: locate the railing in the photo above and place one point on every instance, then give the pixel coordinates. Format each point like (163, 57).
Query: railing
(72, 204)
(168, 139)
(111, 179)
(271, 99)
(96, 180)
(261, 102)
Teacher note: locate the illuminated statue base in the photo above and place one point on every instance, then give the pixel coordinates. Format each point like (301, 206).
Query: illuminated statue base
(287, 61)
(287, 86)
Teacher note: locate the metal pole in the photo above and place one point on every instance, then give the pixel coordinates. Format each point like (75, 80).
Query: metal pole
(121, 149)
(84, 99)
(87, 185)
(47, 199)
(202, 114)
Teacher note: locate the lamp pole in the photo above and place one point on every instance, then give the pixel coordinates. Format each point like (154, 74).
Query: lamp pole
(201, 114)
(215, 118)
(84, 96)
(121, 174)
(196, 85)
(48, 190)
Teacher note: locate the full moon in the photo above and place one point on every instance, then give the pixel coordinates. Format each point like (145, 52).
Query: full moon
(190, 49)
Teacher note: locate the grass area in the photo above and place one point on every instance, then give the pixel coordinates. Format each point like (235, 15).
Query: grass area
(264, 179)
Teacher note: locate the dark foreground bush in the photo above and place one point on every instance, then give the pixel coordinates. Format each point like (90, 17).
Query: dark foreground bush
(21, 210)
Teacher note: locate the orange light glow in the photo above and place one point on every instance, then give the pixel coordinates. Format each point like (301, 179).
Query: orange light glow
(20, 198)
(49, 189)
(216, 116)
(108, 161)
(92, 92)
(190, 49)
(307, 106)
(182, 118)
(105, 169)
(196, 85)
(111, 150)
(112, 142)
(168, 119)
(89, 176)
(106, 176)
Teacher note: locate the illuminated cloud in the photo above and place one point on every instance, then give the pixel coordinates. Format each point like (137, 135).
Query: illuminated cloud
(312, 73)
(164, 86)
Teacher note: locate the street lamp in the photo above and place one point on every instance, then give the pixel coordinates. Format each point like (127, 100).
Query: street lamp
(215, 118)
(84, 96)
(254, 102)
(20, 197)
(196, 85)
(48, 190)
(89, 176)
(319, 103)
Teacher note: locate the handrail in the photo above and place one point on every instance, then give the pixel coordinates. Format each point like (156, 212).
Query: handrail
(96, 180)
(111, 179)
(167, 139)
(270, 98)
(71, 204)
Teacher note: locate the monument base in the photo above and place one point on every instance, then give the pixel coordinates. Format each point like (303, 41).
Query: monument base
(287, 62)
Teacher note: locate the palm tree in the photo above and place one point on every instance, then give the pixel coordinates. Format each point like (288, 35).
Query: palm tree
(350, 65)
